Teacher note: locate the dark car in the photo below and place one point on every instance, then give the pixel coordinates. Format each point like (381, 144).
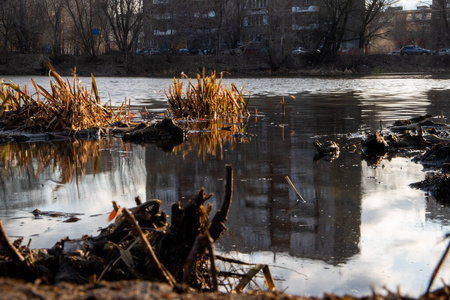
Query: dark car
(414, 50)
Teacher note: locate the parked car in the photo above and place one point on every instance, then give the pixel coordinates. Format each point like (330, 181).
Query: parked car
(349, 51)
(414, 50)
(299, 50)
(183, 51)
(395, 52)
(141, 51)
(444, 51)
(196, 51)
(154, 51)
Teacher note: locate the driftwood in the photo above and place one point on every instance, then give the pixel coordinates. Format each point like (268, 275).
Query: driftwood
(218, 223)
(165, 134)
(12, 252)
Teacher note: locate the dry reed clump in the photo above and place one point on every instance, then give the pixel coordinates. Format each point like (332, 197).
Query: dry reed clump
(207, 98)
(65, 107)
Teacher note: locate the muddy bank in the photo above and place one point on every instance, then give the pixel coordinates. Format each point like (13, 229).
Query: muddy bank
(142, 290)
(133, 289)
(117, 64)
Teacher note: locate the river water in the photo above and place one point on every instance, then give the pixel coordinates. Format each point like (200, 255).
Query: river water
(362, 226)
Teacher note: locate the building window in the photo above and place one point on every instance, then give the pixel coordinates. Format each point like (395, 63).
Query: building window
(255, 20)
(258, 3)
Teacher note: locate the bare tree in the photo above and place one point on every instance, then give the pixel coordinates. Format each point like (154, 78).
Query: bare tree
(84, 15)
(441, 23)
(220, 9)
(277, 32)
(335, 14)
(19, 30)
(233, 22)
(7, 9)
(51, 11)
(373, 21)
(420, 28)
(21, 26)
(124, 18)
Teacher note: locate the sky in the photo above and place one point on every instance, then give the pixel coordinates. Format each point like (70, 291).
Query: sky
(412, 4)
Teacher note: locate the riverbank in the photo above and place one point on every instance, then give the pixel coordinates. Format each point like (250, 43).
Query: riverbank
(116, 64)
(143, 290)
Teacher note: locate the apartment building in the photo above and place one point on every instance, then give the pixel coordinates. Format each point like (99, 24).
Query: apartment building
(175, 24)
(441, 23)
(426, 26)
(250, 24)
(306, 21)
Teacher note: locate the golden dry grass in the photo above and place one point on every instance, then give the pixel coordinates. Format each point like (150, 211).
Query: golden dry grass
(64, 107)
(209, 97)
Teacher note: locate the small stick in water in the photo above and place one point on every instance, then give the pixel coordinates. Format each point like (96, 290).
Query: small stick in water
(299, 197)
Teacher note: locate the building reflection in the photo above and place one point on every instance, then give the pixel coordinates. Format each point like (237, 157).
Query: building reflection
(440, 108)
(327, 227)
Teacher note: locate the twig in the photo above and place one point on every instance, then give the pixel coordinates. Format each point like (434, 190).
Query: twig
(202, 241)
(436, 270)
(12, 252)
(124, 255)
(161, 270)
(217, 223)
(299, 197)
(252, 273)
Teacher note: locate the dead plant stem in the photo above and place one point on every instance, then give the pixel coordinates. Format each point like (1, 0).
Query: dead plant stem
(160, 269)
(436, 270)
(12, 252)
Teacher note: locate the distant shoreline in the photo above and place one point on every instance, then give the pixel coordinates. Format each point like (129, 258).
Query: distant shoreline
(232, 66)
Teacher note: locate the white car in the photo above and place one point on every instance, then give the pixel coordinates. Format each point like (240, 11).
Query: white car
(444, 51)
(298, 51)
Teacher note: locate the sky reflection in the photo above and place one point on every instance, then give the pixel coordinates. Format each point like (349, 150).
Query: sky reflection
(362, 224)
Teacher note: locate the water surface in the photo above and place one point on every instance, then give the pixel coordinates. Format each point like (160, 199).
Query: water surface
(362, 225)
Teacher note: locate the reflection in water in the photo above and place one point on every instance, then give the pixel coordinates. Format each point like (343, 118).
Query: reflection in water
(72, 177)
(69, 158)
(361, 225)
(210, 136)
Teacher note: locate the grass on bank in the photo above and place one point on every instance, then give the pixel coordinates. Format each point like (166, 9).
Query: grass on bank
(206, 98)
(65, 106)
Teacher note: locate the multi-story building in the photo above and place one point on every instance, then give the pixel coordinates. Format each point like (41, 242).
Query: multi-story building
(251, 23)
(178, 24)
(441, 23)
(306, 21)
(405, 27)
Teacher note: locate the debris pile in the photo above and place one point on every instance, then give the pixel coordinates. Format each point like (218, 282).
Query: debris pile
(407, 137)
(140, 244)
